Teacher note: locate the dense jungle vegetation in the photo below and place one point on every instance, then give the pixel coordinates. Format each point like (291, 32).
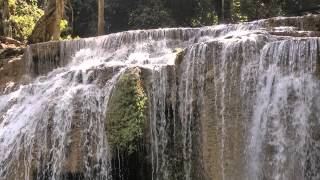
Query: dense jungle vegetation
(44, 20)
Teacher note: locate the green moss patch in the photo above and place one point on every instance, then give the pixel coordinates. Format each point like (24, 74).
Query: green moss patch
(126, 113)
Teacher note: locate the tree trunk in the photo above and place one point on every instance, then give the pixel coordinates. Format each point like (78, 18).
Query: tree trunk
(58, 17)
(228, 11)
(222, 11)
(101, 22)
(70, 13)
(48, 26)
(5, 28)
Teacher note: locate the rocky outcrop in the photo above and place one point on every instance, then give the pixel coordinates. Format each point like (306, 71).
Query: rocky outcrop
(12, 67)
(127, 128)
(303, 23)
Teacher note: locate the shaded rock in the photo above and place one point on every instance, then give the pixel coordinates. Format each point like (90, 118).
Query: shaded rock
(8, 40)
(302, 23)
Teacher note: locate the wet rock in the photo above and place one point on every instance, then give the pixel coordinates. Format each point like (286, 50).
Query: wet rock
(303, 23)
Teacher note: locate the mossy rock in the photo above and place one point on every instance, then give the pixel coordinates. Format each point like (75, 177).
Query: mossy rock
(125, 116)
(179, 56)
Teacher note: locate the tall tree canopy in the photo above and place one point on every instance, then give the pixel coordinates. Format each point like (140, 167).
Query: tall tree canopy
(86, 18)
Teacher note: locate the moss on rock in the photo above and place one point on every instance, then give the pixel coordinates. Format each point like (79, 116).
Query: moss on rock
(125, 116)
(179, 56)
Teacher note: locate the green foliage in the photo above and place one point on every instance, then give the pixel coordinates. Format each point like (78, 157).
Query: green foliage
(85, 20)
(258, 9)
(126, 113)
(124, 15)
(24, 18)
(66, 31)
(12, 3)
(150, 15)
(119, 13)
(210, 18)
(63, 25)
(68, 37)
(236, 12)
(205, 15)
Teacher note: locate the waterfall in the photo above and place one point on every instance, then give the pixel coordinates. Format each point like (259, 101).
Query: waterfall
(192, 83)
(286, 111)
(225, 102)
(159, 124)
(44, 123)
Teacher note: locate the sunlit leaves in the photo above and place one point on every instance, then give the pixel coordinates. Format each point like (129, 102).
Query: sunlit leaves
(24, 18)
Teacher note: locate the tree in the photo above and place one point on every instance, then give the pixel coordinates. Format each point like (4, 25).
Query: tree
(85, 21)
(58, 18)
(48, 26)
(152, 14)
(300, 7)
(223, 9)
(5, 28)
(119, 12)
(23, 18)
(101, 22)
(237, 15)
(205, 13)
(222, 17)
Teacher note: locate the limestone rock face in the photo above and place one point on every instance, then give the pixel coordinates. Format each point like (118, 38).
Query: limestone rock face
(222, 103)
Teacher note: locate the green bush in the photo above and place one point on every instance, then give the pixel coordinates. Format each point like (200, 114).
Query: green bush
(126, 113)
(209, 19)
(152, 14)
(66, 31)
(237, 16)
(23, 17)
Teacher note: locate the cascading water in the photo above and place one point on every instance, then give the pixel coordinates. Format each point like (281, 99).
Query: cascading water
(158, 124)
(225, 102)
(45, 122)
(192, 84)
(286, 112)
